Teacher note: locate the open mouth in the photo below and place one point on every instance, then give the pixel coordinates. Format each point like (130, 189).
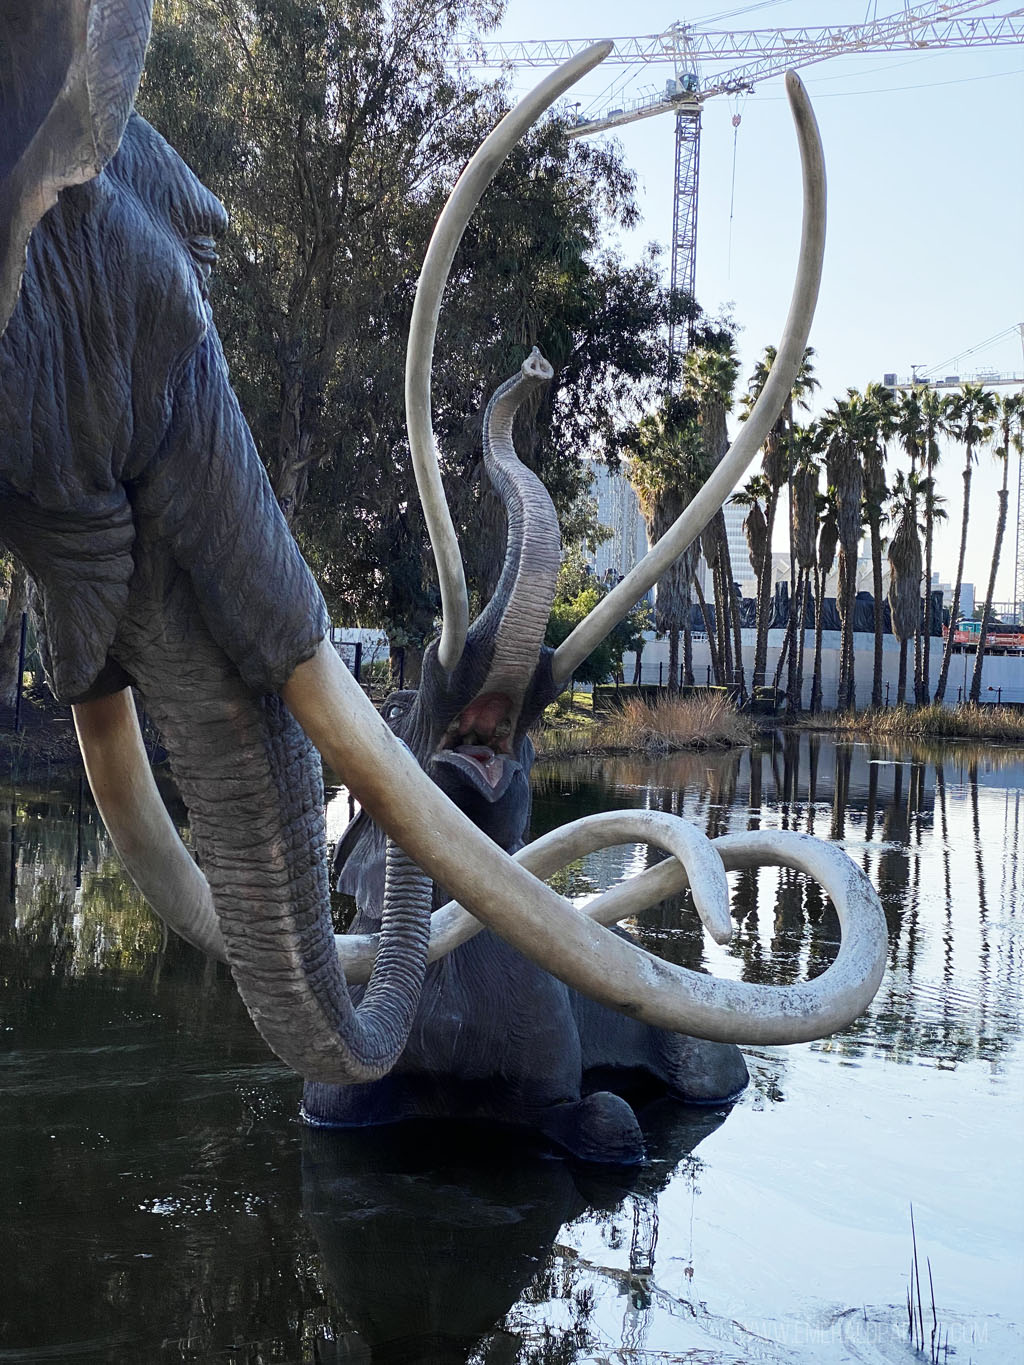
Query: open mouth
(477, 746)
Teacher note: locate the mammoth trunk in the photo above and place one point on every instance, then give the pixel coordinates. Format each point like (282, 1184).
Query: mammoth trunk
(517, 615)
(252, 784)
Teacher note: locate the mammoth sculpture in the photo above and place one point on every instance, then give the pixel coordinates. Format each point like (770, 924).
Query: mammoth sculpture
(131, 491)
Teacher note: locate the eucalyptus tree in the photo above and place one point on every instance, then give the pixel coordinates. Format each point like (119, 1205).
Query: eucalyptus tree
(904, 570)
(333, 133)
(1010, 421)
(776, 466)
(971, 415)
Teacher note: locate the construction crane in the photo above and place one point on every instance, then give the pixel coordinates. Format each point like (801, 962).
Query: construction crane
(760, 53)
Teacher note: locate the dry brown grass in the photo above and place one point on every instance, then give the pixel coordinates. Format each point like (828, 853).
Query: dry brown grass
(929, 722)
(674, 723)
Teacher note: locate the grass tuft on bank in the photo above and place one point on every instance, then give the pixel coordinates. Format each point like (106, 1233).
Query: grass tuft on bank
(669, 725)
(928, 722)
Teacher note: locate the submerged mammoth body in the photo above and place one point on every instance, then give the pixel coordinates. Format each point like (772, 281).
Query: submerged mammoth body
(495, 1036)
(126, 473)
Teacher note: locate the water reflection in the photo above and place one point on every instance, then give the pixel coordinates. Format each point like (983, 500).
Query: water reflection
(154, 1171)
(429, 1241)
(941, 999)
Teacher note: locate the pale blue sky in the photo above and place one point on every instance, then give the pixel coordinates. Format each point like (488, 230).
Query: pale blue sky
(926, 202)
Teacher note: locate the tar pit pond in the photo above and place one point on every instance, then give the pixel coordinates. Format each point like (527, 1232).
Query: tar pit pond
(161, 1202)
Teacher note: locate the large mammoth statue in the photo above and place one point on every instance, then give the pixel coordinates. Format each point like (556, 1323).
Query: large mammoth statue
(130, 489)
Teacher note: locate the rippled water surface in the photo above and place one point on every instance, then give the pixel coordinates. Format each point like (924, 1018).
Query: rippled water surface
(160, 1202)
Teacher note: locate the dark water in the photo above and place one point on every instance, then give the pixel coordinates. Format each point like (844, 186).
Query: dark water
(159, 1201)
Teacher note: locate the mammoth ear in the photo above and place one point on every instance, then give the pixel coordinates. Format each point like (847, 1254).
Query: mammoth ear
(69, 70)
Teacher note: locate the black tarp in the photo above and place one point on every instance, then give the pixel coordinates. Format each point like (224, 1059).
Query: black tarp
(863, 613)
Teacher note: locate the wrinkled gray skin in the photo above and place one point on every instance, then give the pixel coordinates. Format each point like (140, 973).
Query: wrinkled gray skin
(495, 1036)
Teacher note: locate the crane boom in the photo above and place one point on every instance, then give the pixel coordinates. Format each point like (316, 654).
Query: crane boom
(892, 35)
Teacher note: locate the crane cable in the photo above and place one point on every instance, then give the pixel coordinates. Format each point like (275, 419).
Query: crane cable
(737, 119)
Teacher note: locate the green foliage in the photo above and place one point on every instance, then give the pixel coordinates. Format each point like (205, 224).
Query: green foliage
(576, 597)
(334, 133)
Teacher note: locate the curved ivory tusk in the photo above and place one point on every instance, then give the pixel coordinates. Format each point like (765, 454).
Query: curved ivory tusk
(833, 999)
(693, 852)
(423, 327)
(620, 601)
(400, 797)
(144, 835)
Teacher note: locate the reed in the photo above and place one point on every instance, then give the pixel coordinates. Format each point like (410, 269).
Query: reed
(670, 724)
(928, 722)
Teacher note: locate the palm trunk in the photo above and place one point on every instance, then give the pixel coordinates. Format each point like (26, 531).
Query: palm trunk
(673, 660)
(764, 586)
(994, 569)
(918, 657)
(954, 611)
(687, 647)
(926, 644)
(723, 593)
(795, 702)
(734, 614)
(901, 683)
(708, 628)
(819, 593)
(876, 586)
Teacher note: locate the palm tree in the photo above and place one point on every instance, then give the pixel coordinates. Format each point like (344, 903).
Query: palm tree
(709, 378)
(665, 469)
(776, 465)
(934, 423)
(971, 414)
(755, 528)
(904, 570)
(846, 429)
(806, 469)
(1011, 430)
(881, 421)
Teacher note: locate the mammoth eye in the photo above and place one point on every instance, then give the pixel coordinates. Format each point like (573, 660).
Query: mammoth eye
(203, 251)
(395, 711)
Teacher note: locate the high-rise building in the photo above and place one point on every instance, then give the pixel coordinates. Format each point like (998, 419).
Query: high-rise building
(617, 508)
